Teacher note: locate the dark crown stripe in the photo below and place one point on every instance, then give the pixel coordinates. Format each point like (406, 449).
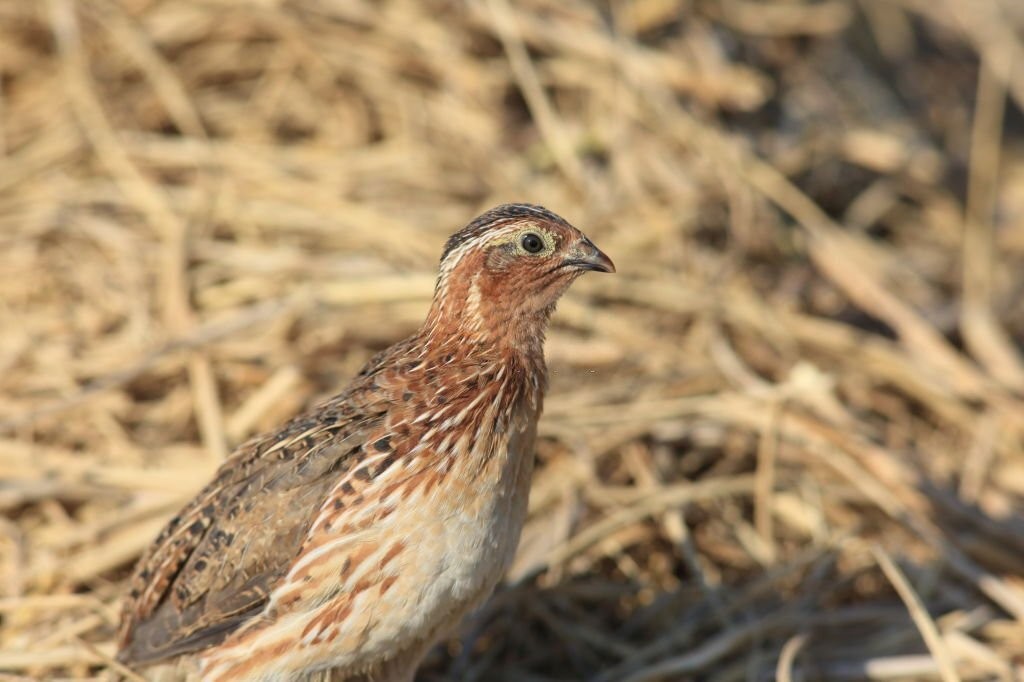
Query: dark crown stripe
(496, 217)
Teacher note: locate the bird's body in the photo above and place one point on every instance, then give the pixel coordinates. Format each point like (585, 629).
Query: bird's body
(362, 531)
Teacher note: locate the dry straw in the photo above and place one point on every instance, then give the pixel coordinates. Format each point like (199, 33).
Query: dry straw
(784, 441)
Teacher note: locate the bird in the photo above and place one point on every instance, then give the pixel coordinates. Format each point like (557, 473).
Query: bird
(349, 541)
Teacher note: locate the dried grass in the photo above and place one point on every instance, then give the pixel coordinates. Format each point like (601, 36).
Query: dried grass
(785, 441)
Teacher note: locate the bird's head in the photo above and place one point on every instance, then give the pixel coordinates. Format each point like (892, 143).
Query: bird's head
(504, 272)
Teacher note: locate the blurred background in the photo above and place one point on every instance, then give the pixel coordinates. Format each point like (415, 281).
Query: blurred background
(785, 441)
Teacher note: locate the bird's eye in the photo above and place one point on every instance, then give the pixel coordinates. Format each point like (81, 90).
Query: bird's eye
(531, 243)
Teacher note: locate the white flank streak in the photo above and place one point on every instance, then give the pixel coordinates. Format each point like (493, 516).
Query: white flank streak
(443, 445)
(480, 432)
(463, 445)
(331, 546)
(440, 413)
(468, 408)
(325, 512)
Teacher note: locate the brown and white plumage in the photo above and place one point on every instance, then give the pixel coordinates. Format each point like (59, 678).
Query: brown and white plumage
(363, 530)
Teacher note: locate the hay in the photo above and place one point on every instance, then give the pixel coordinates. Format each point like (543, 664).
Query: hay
(784, 441)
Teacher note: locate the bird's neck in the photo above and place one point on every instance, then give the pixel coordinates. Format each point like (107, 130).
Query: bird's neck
(516, 338)
(509, 350)
(461, 315)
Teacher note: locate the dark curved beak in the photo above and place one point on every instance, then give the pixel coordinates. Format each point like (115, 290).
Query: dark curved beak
(586, 256)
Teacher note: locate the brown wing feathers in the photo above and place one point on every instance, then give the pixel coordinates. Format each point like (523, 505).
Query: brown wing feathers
(207, 572)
